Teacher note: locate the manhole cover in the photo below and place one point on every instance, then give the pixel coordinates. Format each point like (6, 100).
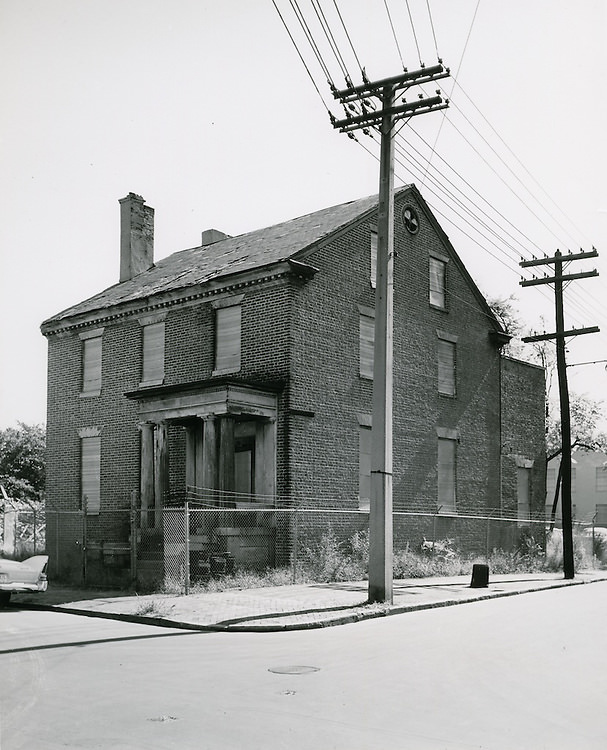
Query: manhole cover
(293, 669)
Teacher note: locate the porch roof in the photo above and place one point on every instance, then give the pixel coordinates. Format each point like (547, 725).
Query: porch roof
(205, 398)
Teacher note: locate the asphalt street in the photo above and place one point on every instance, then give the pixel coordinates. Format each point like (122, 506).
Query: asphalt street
(521, 672)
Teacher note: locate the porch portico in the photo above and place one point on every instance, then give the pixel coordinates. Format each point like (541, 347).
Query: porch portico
(230, 441)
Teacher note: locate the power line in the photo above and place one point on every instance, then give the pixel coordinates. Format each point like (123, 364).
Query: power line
(308, 34)
(433, 31)
(476, 192)
(419, 54)
(470, 222)
(507, 167)
(458, 84)
(360, 67)
(301, 56)
(459, 66)
(402, 62)
(331, 40)
(467, 198)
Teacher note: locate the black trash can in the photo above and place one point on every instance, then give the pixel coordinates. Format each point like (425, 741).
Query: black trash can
(480, 576)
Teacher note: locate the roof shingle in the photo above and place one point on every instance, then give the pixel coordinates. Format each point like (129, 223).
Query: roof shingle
(198, 265)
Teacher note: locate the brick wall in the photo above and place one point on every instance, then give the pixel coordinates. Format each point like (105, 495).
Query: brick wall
(523, 431)
(325, 374)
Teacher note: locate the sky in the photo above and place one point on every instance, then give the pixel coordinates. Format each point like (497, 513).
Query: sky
(207, 110)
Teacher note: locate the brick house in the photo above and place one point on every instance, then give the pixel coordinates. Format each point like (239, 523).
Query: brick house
(243, 367)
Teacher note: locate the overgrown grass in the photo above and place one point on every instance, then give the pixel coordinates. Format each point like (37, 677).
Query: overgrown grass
(330, 559)
(239, 580)
(152, 608)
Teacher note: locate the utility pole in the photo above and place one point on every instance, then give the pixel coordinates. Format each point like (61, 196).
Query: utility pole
(561, 365)
(374, 105)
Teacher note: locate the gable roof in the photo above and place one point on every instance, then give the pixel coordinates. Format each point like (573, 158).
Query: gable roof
(181, 272)
(198, 265)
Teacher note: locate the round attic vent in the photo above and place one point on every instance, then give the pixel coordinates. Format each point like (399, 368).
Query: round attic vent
(410, 219)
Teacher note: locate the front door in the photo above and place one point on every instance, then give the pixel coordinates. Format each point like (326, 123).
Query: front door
(244, 467)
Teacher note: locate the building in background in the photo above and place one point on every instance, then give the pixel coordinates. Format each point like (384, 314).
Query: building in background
(588, 487)
(240, 373)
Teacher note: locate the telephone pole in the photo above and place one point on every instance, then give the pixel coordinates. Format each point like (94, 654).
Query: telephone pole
(374, 105)
(559, 336)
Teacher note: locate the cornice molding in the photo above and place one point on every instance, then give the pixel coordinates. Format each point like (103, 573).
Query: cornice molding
(175, 299)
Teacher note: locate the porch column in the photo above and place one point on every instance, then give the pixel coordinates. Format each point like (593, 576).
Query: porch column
(226, 454)
(209, 455)
(146, 481)
(161, 465)
(199, 454)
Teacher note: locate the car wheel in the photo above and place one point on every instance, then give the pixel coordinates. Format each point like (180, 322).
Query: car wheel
(5, 597)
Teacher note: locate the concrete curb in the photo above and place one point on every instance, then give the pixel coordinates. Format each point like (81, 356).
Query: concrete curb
(277, 627)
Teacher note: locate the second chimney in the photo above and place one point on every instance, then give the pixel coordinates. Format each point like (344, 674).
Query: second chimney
(136, 236)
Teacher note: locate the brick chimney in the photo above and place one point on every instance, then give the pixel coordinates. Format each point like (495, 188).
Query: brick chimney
(136, 236)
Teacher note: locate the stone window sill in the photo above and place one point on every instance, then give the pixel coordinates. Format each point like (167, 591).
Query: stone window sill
(150, 383)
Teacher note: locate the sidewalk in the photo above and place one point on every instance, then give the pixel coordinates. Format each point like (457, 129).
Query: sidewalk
(292, 607)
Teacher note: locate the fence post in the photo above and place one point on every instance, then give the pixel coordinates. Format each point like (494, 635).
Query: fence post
(134, 536)
(487, 541)
(295, 543)
(186, 527)
(84, 538)
(434, 519)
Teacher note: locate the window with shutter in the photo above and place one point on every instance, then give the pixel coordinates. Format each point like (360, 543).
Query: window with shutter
(90, 473)
(91, 365)
(366, 344)
(601, 478)
(523, 485)
(446, 475)
(153, 354)
(227, 339)
(364, 467)
(438, 269)
(446, 367)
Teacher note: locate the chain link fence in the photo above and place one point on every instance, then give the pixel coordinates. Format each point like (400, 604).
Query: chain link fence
(22, 531)
(193, 542)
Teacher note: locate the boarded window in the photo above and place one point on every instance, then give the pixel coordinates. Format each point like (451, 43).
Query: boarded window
(446, 367)
(373, 258)
(438, 270)
(91, 364)
(364, 467)
(227, 338)
(523, 485)
(446, 475)
(153, 353)
(367, 342)
(90, 473)
(601, 478)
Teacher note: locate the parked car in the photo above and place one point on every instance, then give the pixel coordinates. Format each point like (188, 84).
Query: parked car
(22, 577)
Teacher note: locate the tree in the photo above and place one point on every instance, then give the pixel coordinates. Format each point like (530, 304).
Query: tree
(540, 353)
(586, 415)
(22, 461)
